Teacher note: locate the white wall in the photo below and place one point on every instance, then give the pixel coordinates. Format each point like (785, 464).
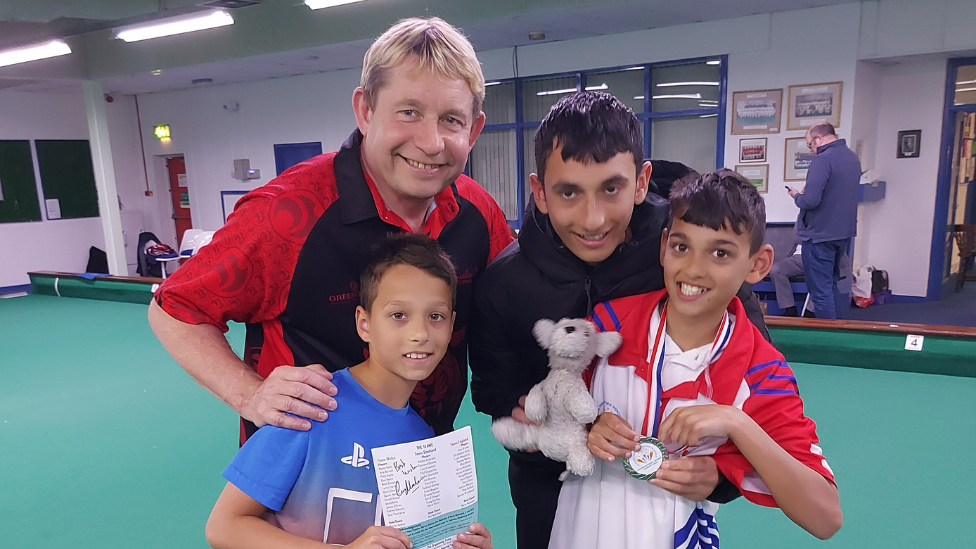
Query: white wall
(809, 46)
(897, 231)
(62, 244)
(287, 110)
(139, 213)
(864, 141)
(56, 245)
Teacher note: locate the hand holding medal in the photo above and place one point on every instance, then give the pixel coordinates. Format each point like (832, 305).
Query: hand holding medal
(644, 464)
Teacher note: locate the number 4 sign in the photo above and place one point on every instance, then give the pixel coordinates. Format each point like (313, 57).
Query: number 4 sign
(914, 342)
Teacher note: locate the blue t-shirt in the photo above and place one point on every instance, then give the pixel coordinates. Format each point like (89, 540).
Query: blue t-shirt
(320, 484)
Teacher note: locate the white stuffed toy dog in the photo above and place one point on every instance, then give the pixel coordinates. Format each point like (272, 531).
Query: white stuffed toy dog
(561, 402)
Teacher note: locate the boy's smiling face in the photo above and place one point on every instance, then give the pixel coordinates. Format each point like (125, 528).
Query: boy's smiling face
(704, 268)
(590, 203)
(409, 324)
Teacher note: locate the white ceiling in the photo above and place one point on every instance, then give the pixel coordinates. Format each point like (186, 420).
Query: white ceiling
(279, 38)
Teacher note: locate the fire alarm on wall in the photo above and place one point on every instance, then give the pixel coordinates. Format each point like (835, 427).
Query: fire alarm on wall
(109, 99)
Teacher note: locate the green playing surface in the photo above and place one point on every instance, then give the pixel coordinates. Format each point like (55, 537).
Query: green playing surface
(106, 443)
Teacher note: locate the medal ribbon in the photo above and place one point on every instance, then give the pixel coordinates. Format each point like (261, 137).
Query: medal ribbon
(688, 389)
(657, 354)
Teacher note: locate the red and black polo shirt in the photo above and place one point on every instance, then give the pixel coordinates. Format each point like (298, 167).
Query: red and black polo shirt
(287, 263)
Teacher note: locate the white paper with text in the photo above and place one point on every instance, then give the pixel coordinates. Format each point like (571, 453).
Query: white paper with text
(429, 488)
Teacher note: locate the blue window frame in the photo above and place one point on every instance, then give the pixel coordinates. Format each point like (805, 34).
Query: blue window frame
(676, 103)
(956, 103)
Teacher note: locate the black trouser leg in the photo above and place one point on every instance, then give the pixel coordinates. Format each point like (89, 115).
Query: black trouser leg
(535, 492)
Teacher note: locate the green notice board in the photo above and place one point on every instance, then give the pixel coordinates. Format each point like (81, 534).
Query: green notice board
(18, 187)
(67, 175)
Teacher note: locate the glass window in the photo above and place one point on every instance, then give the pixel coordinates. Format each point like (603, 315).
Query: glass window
(627, 85)
(539, 94)
(499, 106)
(494, 165)
(965, 85)
(528, 159)
(682, 87)
(686, 139)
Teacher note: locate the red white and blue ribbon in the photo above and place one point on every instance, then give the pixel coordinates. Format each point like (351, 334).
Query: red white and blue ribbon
(656, 358)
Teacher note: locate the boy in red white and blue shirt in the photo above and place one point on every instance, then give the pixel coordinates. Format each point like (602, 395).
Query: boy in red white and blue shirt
(694, 373)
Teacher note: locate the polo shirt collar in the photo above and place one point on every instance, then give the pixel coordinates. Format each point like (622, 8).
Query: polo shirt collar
(834, 143)
(360, 200)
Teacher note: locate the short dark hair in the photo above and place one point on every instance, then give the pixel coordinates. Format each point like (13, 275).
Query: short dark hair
(718, 200)
(821, 129)
(589, 126)
(411, 249)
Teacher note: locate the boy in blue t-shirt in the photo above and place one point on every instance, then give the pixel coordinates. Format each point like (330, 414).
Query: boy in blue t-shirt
(288, 487)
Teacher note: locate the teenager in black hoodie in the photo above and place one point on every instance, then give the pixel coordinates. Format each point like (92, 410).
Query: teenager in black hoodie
(592, 233)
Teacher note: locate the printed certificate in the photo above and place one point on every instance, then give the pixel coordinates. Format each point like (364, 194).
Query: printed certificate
(429, 488)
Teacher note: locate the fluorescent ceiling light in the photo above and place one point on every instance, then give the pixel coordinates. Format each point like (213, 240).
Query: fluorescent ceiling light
(713, 62)
(595, 88)
(966, 90)
(556, 92)
(491, 84)
(678, 96)
(961, 82)
(639, 97)
(319, 4)
(53, 48)
(175, 25)
(633, 68)
(707, 115)
(671, 84)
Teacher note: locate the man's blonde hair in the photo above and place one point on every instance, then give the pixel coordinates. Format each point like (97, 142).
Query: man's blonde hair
(439, 46)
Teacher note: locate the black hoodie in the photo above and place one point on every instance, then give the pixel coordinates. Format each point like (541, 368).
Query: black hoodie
(537, 277)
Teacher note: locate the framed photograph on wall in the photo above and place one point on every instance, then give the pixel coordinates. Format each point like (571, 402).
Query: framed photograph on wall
(757, 174)
(909, 143)
(797, 159)
(756, 111)
(752, 150)
(812, 103)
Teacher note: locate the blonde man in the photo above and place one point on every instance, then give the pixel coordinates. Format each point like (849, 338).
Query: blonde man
(287, 263)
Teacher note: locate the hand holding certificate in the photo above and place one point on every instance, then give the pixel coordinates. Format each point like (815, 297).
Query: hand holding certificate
(429, 488)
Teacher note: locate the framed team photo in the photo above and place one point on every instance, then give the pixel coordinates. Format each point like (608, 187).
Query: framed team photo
(756, 112)
(757, 174)
(752, 150)
(797, 159)
(812, 103)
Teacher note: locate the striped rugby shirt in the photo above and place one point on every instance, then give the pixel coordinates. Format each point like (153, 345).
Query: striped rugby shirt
(610, 509)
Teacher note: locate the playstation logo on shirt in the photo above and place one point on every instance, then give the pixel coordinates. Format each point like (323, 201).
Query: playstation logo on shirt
(356, 459)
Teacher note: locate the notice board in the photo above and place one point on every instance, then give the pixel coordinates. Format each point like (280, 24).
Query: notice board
(67, 175)
(18, 185)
